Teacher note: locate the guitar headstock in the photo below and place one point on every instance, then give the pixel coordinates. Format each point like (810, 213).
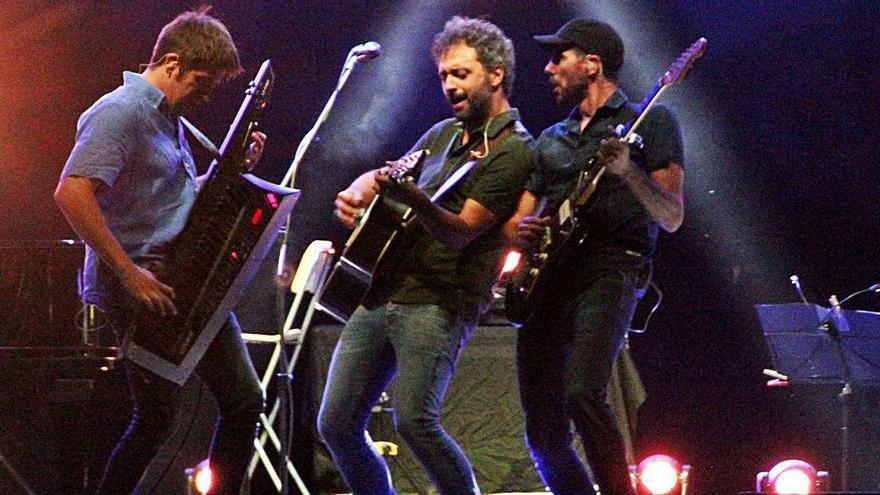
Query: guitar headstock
(679, 69)
(406, 164)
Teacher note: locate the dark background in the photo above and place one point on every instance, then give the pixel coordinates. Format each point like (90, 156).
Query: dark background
(779, 119)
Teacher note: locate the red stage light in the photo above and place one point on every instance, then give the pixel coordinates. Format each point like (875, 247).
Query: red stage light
(199, 478)
(511, 262)
(660, 475)
(792, 477)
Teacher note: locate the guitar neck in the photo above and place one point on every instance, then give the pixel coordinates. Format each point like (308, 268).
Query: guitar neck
(644, 107)
(586, 189)
(676, 72)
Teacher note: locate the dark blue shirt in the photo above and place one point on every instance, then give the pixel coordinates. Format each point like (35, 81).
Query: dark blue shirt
(614, 219)
(129, 141)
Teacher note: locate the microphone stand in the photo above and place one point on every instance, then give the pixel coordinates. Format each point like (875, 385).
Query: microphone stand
(831, 326)
(310, 137)
(280, 271)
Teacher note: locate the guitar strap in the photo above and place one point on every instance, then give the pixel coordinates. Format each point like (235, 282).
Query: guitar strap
(201, 138)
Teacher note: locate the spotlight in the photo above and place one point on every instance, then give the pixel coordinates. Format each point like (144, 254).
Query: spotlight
(659, 475)
(511, 262)
(199, 478)
(792, 477)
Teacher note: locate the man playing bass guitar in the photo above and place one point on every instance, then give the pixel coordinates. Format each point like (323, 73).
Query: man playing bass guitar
(567, 346)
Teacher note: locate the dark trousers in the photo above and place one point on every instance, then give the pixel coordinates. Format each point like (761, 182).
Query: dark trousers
(565, 355)
(227, 371)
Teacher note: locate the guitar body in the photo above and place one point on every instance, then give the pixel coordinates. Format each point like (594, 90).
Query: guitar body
(375, 240)
(531, 279)
(528, 285)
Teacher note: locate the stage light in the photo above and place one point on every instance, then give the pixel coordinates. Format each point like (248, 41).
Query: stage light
(792, 477)
(511, 262)
(199, 478)
(659, 475)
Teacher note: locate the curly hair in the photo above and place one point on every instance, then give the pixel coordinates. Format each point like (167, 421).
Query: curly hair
(494, 48)
(201, 41)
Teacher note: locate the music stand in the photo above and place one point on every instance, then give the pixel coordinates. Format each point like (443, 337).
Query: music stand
(815, 345)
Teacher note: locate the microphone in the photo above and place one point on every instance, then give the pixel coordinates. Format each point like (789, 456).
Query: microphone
(796, 282)
(833, 320)
(370, 49)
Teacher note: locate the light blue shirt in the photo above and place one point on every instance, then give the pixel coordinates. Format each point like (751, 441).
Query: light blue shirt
(129, 141)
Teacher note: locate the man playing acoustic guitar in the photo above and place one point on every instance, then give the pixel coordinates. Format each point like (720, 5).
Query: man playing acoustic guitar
(417, 317)
(567, 347)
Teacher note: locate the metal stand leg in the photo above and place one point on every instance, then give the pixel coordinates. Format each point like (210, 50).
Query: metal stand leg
(268, 434)
(22, 483)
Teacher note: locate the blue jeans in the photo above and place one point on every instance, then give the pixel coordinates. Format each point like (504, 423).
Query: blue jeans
(565, 356)
(421, 345)
(229, 374)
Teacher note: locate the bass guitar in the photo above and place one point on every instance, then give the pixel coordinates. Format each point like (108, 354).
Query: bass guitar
(527, 283)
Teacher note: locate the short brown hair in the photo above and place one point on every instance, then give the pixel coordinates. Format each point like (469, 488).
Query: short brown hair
(201, 41)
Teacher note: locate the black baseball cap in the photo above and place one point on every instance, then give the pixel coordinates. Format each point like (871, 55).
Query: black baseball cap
(591, 36)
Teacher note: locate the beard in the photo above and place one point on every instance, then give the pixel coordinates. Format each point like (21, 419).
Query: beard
(574, 92)
(571, 95)
(476, 111)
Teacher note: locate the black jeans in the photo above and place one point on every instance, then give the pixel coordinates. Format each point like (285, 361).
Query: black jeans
(565, 354)
(229, 374)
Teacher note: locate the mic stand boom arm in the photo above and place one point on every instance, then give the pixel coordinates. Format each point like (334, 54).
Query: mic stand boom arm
(311, 136)
(350, 61)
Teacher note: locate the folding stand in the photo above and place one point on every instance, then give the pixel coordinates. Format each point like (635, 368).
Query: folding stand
(814, 345)
(310, 274)
(314, 267)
